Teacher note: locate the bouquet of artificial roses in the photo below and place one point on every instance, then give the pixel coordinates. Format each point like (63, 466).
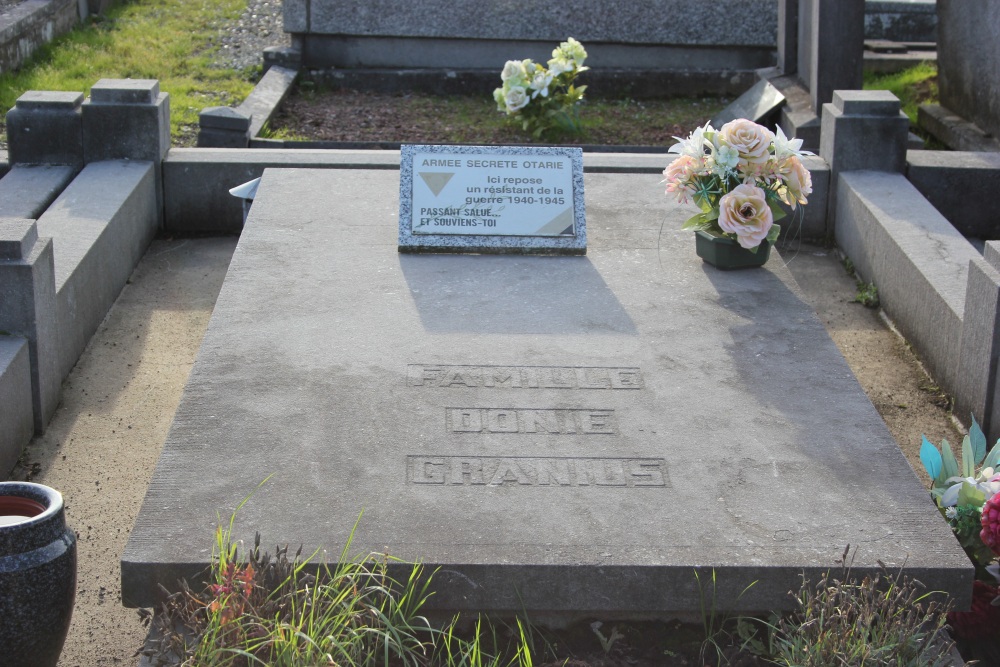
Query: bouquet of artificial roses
(544, 98)
(738, 175)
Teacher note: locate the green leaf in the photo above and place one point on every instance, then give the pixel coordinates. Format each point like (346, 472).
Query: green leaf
(696, 221)
(992, 459)
(968, 458)
(930, 457)
(970, 494)
(772, 234)
(776, 211)
(978, 441)
(949, 466)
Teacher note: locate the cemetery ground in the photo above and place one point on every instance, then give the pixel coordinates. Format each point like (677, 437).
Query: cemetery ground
(117, 404)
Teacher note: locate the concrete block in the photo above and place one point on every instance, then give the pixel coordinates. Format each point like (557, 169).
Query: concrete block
(28, 309)
(101, 225)
(862, 129)
(917, 260)
(961, 186)
(46, 128)
(901, 20)
(266, 98)
(120, 123)
(26, 26)
(443, 33)
(17, 423)
(831, 47)
(28, 190)
(197, 180)
(223, 127)
(975, 386)
(968, 73)
(954, 131)
(534, 426)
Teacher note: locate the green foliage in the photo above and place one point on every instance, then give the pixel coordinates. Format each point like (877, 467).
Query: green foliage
(263, 610)
(914, 86)
(169, 40)
(546, 101)
(883, 620)
(867, 294)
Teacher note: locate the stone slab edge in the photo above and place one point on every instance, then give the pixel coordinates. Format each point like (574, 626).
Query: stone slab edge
(100, 225)
(17, 425)
(917, 260)
(27, 190)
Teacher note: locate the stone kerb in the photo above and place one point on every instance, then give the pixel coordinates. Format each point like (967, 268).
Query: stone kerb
(975, 392)
(28, 310)
(962, 185)
(31, 24)
(18, 423)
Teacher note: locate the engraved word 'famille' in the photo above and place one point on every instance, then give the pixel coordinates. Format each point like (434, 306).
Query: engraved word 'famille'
(536, 471)
(523, 377)
(521, 420)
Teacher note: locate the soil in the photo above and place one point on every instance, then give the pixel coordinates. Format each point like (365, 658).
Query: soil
(353, 116)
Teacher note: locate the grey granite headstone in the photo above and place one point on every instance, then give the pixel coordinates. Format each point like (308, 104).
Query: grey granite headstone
(758, 104)
(560, 435)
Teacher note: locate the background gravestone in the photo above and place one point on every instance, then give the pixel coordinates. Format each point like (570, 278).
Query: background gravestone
(969, 61)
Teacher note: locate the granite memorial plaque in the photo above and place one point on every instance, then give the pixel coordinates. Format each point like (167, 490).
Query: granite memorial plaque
(565, 436)
(491, 199)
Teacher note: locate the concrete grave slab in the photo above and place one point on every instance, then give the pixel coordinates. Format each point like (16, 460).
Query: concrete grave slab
(758, 104)
(561, 435)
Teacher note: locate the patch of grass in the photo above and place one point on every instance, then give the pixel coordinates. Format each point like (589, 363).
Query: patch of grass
(913, 87)
(867, 295)
(168, 40)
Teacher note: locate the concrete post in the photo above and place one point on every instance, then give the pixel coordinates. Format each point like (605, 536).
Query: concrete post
(28, 308)
(223, 127)
(46, 127)
(862, 130)
(831, 46)
(975, 390)
(128, 119)
(788, 36)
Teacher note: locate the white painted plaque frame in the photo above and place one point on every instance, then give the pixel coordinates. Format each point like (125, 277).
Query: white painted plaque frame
(492, 199)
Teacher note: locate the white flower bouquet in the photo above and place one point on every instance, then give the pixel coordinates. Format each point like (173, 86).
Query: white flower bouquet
(738, 176)
(545, 99)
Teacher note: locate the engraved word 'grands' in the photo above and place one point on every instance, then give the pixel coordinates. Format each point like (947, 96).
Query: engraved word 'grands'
(536, 471)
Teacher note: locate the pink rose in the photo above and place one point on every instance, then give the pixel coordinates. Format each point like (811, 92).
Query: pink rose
(679, 176)
(744, 212)
(751, 141)
(798, 181)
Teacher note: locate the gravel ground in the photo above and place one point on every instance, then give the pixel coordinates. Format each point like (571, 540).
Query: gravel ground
(257, 28)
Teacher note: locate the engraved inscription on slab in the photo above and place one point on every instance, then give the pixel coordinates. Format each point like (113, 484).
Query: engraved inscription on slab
(531, 420)
(537, 471)
(491, 199)
(523, 377)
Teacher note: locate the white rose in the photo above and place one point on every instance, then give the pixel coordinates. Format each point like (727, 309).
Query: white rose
(516, 98)
(513, 69)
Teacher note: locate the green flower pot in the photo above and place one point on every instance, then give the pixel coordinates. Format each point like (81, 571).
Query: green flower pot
(724, 253)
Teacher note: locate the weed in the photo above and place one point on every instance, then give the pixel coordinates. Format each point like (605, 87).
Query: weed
(716, 636)
(884, 619)
(867, 294)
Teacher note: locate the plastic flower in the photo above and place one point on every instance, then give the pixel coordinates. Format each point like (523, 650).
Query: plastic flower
(797, 181)
(990, 534)
(515, 98)
(540, 83)
(982, 621)
(785, 147)
(751, 141)
(726, 160)
(571, 50)
(986, 482)
(679, 176)
(695, 144)
(744, 212)
(514, 69)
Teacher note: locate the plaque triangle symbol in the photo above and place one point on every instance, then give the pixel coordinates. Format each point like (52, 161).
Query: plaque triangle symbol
(436, 180)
